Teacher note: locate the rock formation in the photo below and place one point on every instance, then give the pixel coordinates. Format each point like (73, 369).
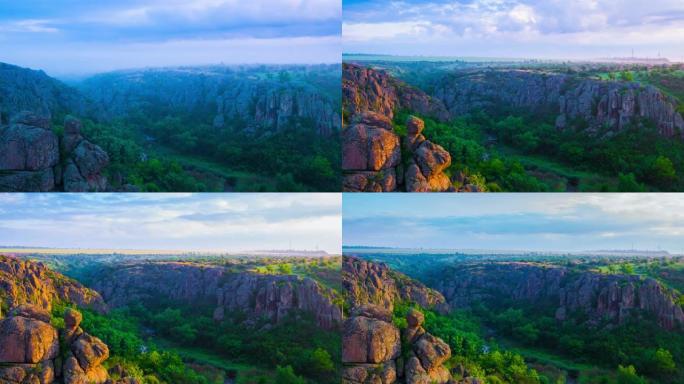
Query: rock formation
(257, 295)
(228, 93)
(374, 157)
(600, 296)
(601, 104)
(367, 282)
(374, 350)
(374, 160)
(32, 158)
(28, 282)
(367, 89)
(31, 352)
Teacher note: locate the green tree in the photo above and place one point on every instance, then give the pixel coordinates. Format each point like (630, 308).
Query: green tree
(286, 375)
(663, 362)
(628, 375)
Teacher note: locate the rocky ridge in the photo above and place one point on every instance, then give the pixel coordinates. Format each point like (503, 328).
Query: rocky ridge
(227, 93)
(602, 105)
(28, 282)
(374, 349)
(367, 89)
(258, 295)
(375, 158)
(600, 296)
(34, 159)
(367, 282)
(23, 89)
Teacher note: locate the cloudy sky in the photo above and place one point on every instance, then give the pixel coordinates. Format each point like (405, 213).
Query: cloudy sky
(549, 29)
(544, 222)
(226, 222)
(65, 37)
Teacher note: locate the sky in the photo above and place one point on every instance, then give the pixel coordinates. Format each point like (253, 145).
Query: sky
(519, 221)
(543, 29)
(201, 222)
(70, 37)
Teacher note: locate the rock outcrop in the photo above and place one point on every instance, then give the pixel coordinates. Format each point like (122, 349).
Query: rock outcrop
(600, 104)
(374, 350)
(31, 352)
(374, 160)
(374, 157)
(601, 297)
(28, 282)
(366, 89)
(257, 295)
(32, 158)
(367, 282)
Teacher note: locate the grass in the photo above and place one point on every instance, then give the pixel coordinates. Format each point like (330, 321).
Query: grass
(548, 362)
(588, 181)
(239, 180)
(202, 356)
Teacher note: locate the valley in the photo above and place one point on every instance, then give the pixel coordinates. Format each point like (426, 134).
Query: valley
(583, 317)
(213, 128)
(504, 125)
(177, 317)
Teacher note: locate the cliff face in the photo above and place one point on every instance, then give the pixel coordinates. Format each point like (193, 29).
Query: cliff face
(270, 296)
(614, 297)
(601, 104)
(34, 159)
(228, 94)
(23, 89)
(32, 349)
(27, 282)
(374, 349)
(366, 282)
(374, 157)
(366, 89)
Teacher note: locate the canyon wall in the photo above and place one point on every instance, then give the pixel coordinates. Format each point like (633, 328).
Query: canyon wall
(601, 296)
(571, 100)
(227, 94)
(257, 295)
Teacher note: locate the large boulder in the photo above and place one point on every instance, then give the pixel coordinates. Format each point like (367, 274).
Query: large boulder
(432, 351)
(370, 144)
(90, 352)
(368, 340)
(26, 338)
(432, 158)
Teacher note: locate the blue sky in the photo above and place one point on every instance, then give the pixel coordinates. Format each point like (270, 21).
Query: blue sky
(219, 222)
(548, 29)
(85, 36)
(543, 222)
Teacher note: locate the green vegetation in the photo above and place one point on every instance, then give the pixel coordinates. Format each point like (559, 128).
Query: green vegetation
(296, 342)
(517, 153)
(120, 331)
(461, 330)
